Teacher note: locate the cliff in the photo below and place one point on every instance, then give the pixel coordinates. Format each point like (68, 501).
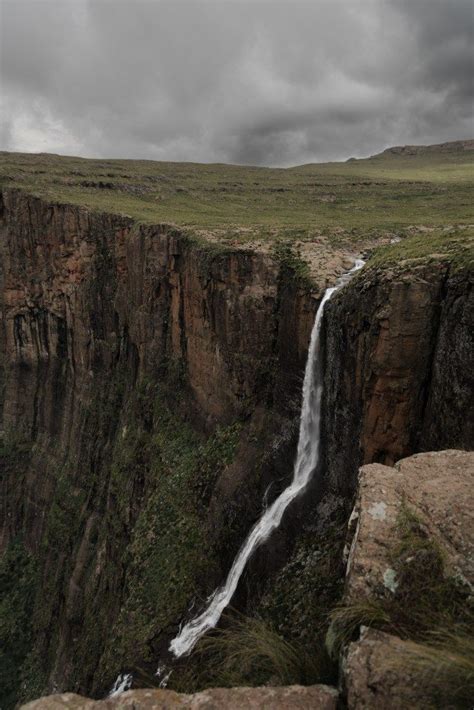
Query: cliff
(399, 365)
(135, 399)
(150, 392)
(403, 632)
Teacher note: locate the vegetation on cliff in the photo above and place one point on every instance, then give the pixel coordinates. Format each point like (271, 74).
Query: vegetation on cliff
(150, 547)
(18, 581)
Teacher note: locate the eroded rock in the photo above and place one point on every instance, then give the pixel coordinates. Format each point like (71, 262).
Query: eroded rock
(436, 487)
(316, 697)
(419, 513)
(399, 368)
(377, 675)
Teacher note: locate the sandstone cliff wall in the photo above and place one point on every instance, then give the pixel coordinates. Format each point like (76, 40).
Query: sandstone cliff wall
(149, 393)
(399, 372)
(83, 294)
(123, 349)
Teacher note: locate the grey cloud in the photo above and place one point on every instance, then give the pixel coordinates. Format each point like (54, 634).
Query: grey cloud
(256, 81)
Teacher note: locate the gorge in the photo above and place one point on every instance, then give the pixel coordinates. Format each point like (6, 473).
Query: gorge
(307, 459)
(150, 394)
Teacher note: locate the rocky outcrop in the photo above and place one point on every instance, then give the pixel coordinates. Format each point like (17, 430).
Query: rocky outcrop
(316, 697)
(449, 147)
(378, 673)
(410, 572)
(399, 368)
(438, 489)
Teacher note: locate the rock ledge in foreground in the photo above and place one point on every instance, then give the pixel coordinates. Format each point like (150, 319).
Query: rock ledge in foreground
(293, 697)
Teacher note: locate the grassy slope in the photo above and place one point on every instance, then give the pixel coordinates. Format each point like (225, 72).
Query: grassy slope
(384, 192)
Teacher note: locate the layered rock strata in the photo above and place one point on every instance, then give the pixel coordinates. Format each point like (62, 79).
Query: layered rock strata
(399, 373)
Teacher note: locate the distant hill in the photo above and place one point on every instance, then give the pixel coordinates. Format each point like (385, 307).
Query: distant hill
(449, 147)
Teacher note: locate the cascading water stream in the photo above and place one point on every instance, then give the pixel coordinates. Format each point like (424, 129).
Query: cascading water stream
(306, 461)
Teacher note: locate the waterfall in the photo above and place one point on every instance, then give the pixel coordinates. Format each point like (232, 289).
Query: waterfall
(122, 683)
(306, 461)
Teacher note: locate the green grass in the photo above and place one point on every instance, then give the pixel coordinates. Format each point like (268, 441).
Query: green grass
(351, 206)
(239, 202)
(248, 651)
(455, 246)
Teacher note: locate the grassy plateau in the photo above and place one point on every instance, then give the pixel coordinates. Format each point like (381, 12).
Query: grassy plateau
(400, 192)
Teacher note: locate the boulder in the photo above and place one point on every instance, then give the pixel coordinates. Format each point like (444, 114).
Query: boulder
(434, 494)
(438, 488)
(377, 675)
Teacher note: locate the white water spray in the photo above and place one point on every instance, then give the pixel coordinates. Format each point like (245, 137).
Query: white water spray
(306, 461)
(122, 683)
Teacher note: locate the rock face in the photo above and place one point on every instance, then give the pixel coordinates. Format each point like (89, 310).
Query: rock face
(93, 306)
(85, 296)
(437, 488)
(399, 368)
(433, 565)
(150, 393)
(316, 697)
(104, 326)
(377, 674)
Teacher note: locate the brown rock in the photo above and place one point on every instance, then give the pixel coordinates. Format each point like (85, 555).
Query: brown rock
(398, 378)
(90, 305)
(316, 697)
(439, 488)
(377, 674)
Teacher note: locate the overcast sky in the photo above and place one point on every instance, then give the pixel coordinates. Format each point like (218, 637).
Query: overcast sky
(266, 82)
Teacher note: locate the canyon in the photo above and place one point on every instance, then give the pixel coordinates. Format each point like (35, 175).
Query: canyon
(150, 393)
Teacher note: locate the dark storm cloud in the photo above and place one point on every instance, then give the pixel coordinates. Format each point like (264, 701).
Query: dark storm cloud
(262, 81)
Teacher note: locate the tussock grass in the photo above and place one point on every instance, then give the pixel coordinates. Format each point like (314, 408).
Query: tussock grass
(426, 599)
(248, 651)
(346, 620)
(445, 667)
(430, 610)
